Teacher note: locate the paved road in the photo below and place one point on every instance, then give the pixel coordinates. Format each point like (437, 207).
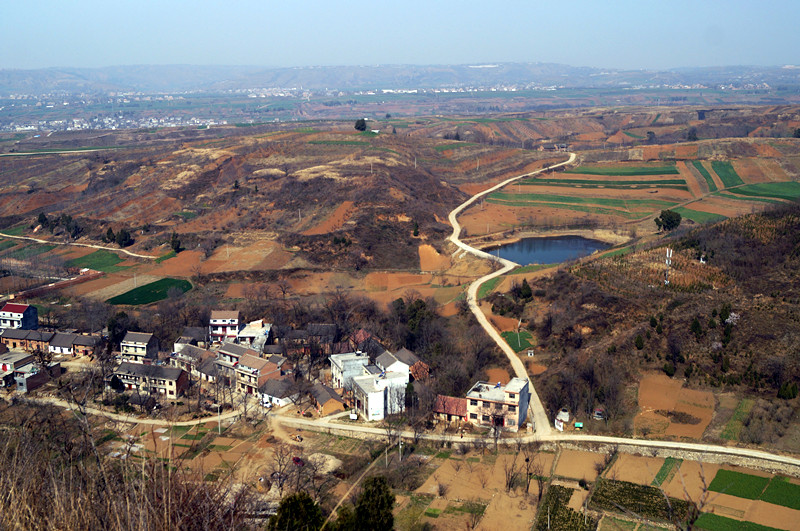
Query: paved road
(537, 411)
(93, 246)
(378, 433)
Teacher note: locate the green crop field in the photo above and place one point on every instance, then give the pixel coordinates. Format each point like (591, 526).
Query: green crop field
(152, 292)
(165, 257)
(7, 244)
(530, 268)
(29, 251)
(781, 492)
(187, 215)
(522, 341)
(633, 135)
(729, 195)
(100, 260)
(698, 216)
(677, 184)
(14, 231)
(637, 170)
(739, 484)
(735, 424)
(726, 172)
(666, 470)
(488, 286)
(715, 522)
(788, 190)
(645, 205)
(698, 165)
(576, 208)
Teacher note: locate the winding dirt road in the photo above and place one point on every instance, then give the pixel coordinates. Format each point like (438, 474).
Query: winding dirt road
(536, 410)
(91, 245)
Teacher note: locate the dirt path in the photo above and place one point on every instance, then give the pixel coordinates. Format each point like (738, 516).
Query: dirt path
(91, 245)
(349, 491)
(129, 419)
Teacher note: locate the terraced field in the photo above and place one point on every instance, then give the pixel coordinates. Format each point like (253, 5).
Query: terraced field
(701, 191)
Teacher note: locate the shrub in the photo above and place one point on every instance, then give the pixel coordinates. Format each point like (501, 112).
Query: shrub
(788, 390)
(639, 342)
(669, 369)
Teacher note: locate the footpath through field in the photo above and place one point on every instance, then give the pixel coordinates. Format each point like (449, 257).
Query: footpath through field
(128, 418)
(536, 410)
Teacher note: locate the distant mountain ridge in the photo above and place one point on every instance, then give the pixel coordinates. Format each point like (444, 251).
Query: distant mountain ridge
(187, 78)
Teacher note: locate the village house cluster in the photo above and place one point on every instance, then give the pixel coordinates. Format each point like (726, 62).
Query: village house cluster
(253, 360)
(26, 353)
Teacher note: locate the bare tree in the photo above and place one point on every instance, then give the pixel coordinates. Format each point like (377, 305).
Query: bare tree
(511, 471)
(281, 463)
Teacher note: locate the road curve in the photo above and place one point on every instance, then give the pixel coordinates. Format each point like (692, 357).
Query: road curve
(537, 411)
(93, 246)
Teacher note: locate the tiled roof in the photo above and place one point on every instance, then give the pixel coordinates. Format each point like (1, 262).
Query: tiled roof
(450, 405)
(150, 371)
(137, 337)
(15, 308)
(224, 314)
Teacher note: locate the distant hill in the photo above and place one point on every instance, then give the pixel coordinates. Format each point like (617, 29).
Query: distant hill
(183, 78)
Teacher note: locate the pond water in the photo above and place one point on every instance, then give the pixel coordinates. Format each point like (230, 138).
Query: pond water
(549, 250)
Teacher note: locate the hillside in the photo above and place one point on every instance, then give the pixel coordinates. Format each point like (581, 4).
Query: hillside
(338, 200)
(729, 324)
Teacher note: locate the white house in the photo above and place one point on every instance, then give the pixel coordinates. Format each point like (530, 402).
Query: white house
(139, 347)
(344, 367)
(388, 362)
(61, 343)
(255, 335)
(277, 393)
(223, 325)
(14, 315)
(378, 395)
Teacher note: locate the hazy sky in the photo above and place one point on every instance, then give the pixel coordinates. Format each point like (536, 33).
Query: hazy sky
(600, 33)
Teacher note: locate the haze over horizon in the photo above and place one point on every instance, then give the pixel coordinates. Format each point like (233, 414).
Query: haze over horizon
(619, 35)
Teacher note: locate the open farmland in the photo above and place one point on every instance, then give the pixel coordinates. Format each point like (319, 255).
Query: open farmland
(152, 292)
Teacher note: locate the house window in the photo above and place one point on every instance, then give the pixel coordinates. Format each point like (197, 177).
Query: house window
(487, 404)
(512, 409)
(512, 396)
(485, 418)
(473, 402)
(473, 416)
(498, 407)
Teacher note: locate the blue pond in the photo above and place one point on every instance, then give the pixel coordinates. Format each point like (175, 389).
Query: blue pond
(550, 250)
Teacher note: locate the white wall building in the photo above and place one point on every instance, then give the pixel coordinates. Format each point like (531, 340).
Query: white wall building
(377, 395)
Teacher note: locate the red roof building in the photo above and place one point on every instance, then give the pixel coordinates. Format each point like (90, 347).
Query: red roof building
(23, 316)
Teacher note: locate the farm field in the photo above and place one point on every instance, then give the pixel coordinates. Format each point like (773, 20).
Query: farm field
(152, 292)
(99, 260)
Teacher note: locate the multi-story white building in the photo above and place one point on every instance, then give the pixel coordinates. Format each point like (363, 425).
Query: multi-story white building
(499, 405)
(223, 325)
(23, 316)
(139, 347)
(377, 395)
(346, 366)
